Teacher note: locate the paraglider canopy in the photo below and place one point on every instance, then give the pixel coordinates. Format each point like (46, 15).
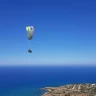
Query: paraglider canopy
(30, 32)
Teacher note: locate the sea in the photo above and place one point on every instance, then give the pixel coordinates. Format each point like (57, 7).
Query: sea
(27, 80)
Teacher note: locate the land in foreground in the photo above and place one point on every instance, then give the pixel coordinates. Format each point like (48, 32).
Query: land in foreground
(71, 90)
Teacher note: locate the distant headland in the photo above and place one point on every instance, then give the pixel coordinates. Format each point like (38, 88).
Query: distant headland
(71, 90)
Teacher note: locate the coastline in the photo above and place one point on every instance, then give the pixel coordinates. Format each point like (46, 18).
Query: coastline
(71, 90)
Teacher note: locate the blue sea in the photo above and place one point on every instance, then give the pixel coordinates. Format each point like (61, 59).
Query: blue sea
(27, 81)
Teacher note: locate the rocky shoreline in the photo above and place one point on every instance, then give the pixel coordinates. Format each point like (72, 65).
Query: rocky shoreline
(71, 90)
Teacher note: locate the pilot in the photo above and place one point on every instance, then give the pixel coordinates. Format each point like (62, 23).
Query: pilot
(29, 51)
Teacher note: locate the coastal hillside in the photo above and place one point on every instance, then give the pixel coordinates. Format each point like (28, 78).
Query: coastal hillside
(71, 90)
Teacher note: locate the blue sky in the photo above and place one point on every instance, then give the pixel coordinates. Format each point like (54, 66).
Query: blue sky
(65, 32)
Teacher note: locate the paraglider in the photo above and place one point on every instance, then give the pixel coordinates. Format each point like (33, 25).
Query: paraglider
(30, 33)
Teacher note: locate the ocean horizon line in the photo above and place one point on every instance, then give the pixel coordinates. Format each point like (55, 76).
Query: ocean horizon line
(46, 65)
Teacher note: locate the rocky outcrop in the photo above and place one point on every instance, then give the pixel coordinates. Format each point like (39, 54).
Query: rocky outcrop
(71, 90)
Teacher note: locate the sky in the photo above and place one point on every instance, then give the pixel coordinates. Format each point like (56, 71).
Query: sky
(65, 32)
